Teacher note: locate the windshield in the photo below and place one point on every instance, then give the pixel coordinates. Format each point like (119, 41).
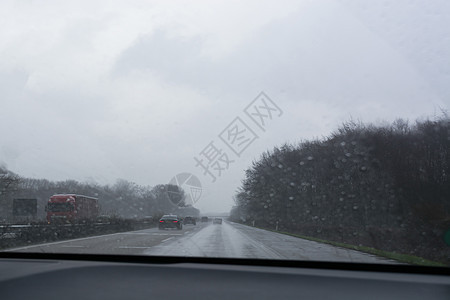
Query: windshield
(169, 218)
(60, 207)
(298, 130)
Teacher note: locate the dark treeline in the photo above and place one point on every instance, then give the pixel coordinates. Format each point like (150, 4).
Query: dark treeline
(385, 187)
(124, 199)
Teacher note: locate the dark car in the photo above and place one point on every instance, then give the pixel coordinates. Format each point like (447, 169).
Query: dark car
(205, 219)
(189, 220)
(217, 221)
(170, 221)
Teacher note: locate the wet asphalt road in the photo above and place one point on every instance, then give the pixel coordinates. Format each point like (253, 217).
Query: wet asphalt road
(206, 240)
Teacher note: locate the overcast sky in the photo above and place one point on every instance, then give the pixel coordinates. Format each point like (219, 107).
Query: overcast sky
(101, 90)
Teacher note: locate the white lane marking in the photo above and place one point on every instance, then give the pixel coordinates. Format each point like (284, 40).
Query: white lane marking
(134, 233)
(73, 246)
(131, 233)
(61, 242)
(87, 238)
(132, 247)
(167, 239)
(166, 234)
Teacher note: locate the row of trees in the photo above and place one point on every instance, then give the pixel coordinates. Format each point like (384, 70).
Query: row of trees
(123, 199)
(380, 186)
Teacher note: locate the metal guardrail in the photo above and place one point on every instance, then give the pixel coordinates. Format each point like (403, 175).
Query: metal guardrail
(15, 235)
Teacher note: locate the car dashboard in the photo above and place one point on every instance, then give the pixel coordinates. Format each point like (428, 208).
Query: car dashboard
(68, 276)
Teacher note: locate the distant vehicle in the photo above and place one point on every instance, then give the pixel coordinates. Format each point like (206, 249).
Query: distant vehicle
(217, 221)
(189, 220)
(170, 221)
(24, 209)
(148, 219)
(104, 219)
(71, 208)
(205, 219)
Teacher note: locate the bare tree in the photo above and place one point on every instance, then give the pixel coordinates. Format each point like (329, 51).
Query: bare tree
(8, 184)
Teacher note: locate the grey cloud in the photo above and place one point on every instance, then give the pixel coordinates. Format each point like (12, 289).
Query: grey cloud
(323, 53)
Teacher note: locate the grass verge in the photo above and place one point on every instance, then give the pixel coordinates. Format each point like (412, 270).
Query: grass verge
(403, 258)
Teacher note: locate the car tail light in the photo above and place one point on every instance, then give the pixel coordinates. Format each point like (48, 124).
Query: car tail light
(161, 221)
(175, 221)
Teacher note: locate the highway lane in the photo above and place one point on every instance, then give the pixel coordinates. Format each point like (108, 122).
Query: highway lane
(123, 243)
(207, 240)
(240, 241)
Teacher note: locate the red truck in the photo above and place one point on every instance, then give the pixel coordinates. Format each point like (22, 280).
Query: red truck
(71, 208)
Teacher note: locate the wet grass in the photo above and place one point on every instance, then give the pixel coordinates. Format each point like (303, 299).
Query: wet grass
(399, 257)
